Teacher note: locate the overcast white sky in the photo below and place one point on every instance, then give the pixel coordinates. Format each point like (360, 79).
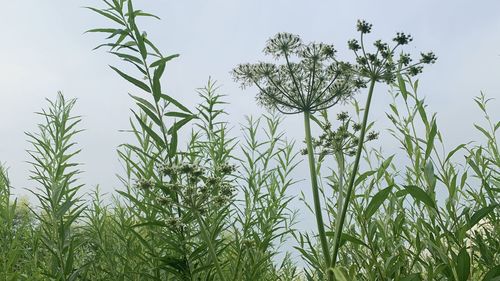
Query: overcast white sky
(43, 50)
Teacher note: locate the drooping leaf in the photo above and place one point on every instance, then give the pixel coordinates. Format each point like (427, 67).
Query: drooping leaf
(132, 80)
(158, 140)
(107, 14)
(175, 102)
(418, 194)
(454, 151)
(164, 60)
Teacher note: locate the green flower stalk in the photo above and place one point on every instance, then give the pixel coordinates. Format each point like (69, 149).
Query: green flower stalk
(385, 66)
(308, 80)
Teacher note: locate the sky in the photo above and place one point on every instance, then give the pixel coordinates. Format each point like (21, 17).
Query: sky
(44, 50)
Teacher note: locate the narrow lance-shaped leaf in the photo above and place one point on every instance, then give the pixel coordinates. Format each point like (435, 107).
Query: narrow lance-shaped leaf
(132, 80)
(159, 141)
(173, 143)
(377, 201)
(175, 102)
(163, 60)
(430, 139)
(418, 194)
(480, 214)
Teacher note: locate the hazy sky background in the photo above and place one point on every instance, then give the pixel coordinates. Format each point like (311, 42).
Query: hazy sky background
(44, 50)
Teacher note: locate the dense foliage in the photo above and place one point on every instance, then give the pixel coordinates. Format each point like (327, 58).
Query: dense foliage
(218, 205)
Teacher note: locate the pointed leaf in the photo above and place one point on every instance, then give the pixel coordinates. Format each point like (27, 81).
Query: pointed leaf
(164, 60)
(463, 265)
(132, 80)
(418, 194)
(377, 201)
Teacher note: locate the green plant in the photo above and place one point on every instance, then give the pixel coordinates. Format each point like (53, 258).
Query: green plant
(52, 154)
(375, 67)
(316, 82)
(201, 202)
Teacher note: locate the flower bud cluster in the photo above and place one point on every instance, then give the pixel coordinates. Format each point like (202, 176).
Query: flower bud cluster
(382, 64)
(197, 186)
(341, 140)
(144, 184)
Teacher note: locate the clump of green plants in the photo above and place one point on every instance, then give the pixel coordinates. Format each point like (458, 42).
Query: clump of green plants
(316, 82)
(201, 201)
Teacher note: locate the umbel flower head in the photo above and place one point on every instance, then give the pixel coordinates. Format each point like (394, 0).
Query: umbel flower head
(308, 79)
(384, 64)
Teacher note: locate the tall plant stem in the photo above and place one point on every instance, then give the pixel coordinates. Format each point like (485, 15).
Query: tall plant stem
(315, 190)
(341, 219)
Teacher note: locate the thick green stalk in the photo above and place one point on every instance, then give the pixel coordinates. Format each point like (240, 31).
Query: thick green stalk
(340, 223)
(315, 190)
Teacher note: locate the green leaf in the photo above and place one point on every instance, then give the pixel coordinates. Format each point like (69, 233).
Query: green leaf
(140, 13)
(132, 80)
(179, 124)
(412, 277)
(102, 30)
(482, 130)
(418, 194)
(376, 201)
(430, 140)
(140, 41)
(402, 86)
(64, 208)
(463, 265)
(178, 114)
(164, 60)
(429, 175)
(172, 150)
(384, 166)
(423, 115)
(150, 114)
(159, 141)
(479, 214)
(493, 274)
(156, 82)
(107, 14)
(127, 57)
(175, 102)
(347, 237)
(363, 176)
(341, 274)
(454, 151)
(144, 102)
